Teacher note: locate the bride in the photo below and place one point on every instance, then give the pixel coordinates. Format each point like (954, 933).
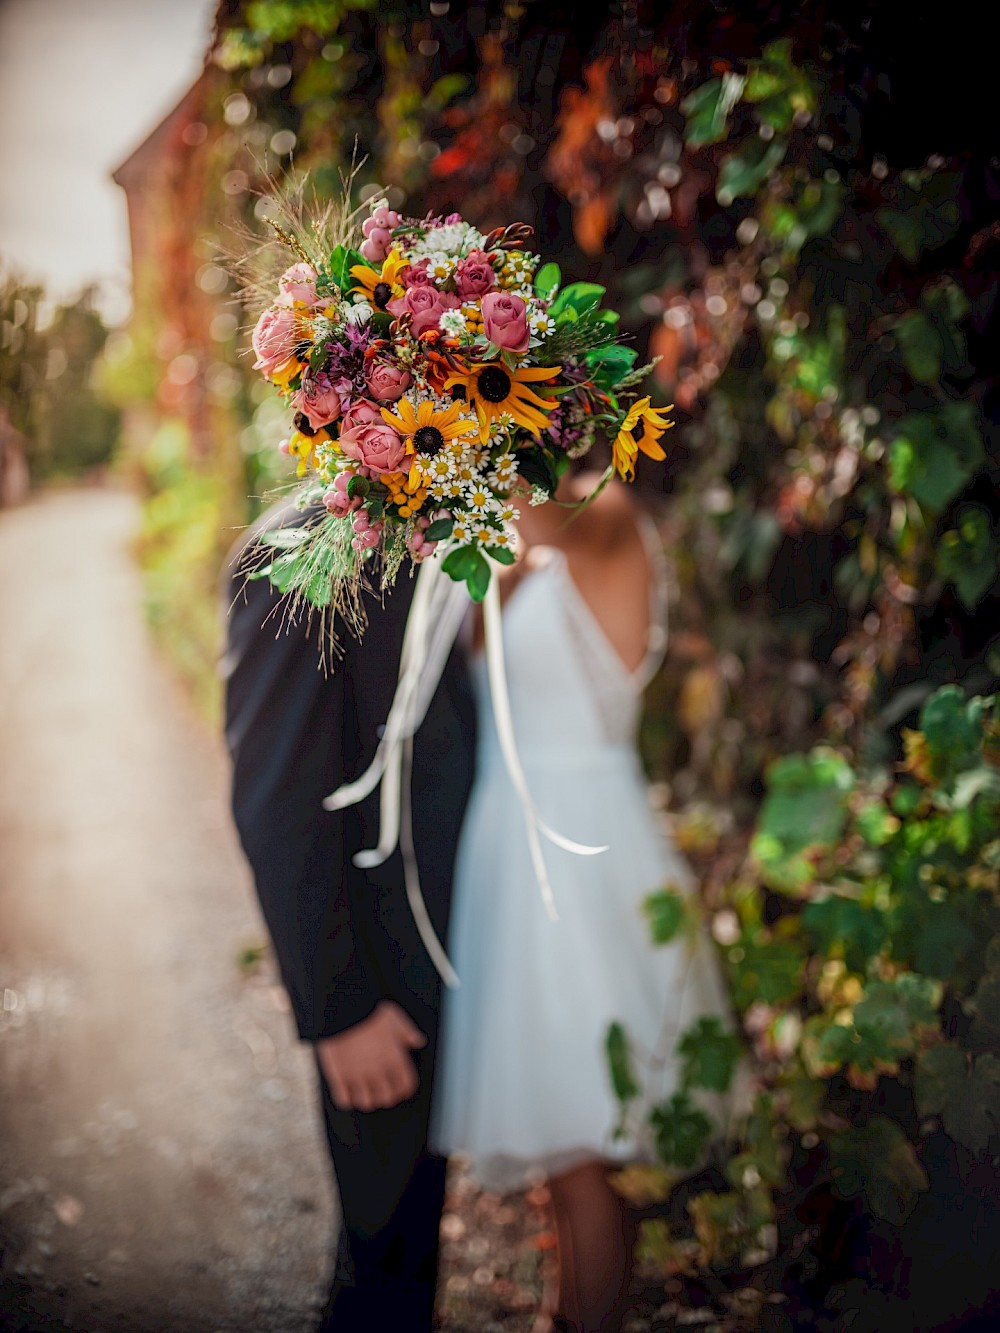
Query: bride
(523, 1090)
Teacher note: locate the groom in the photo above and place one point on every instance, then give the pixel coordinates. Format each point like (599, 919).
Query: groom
(362, 987)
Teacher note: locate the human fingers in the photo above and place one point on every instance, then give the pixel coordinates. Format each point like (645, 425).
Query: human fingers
(409, 1031)
(403, 1079)
(338, 1087)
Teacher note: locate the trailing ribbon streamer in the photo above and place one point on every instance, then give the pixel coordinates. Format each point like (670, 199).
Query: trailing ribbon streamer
(434, 620)
(534, 824)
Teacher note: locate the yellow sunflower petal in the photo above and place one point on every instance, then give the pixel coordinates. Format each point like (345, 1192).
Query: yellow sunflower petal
(651, 449)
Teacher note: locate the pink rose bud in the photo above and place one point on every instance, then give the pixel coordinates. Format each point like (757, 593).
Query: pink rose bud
(387, 381)
(298, 283)
(474, 275)
(505, 321)
(274, 339)
(284, 447)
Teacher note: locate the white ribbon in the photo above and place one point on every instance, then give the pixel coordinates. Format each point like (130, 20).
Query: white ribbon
(432, 626)
(534, 824)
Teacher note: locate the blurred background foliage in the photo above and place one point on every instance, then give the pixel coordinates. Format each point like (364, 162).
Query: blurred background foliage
(51, 397)
(795, 207)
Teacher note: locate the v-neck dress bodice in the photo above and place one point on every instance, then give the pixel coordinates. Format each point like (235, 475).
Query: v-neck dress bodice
(522, 1086)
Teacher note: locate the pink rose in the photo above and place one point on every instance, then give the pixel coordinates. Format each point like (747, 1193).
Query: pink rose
(317, 399)
(416, 275)
(274, 339)
(378, 234)
(360, 413)
(387, 381)
(298, 283)
(505, 321)
(474, 275)
(376, 445)
(426, 305)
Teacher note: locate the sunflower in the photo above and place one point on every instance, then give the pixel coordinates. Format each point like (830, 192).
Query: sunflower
(642, 427)
(427, 430)
(493, 389)
(379, 288)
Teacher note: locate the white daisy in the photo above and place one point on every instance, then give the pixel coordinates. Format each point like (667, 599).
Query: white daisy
(481, 499)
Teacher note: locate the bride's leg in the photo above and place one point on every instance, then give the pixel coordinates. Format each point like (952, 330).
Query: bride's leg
(594, 1249)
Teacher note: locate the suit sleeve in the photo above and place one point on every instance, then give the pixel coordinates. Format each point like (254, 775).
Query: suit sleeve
(290, 731)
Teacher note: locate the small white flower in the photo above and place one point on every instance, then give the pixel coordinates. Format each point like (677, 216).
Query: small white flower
(360, 313)
(460, 532)
(486, 536)
(539, 495)
(481, 499)
(452, 322)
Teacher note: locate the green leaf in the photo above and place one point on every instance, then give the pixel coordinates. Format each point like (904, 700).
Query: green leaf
(985, 1005)
(779, 88)
(537, 469)
(665, 911)
(458, 564)
(439, 529)
(940, 1078)
(681, 1131)
(285, 539)
(709, 1054)
(580, 297)
(502, 554)
(805, 810)
(342, 260)
(952, 727)
(766, 969)
(358, 487)
(967, 555)
(928, 217)
(973, 1119)
(878, 1161)
(921, 347)
(547, 281)
(744, 170)
(803, 1096)
(838, 923)
(477, 580)
(707, 109)
(935, 453)
(608, 366)
(876, 823)
(893, 1016)
(620, 1064)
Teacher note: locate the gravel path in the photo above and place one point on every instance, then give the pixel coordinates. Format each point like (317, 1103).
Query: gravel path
(161, 1166)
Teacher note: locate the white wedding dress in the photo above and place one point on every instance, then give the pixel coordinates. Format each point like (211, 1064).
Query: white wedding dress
(522, 1086)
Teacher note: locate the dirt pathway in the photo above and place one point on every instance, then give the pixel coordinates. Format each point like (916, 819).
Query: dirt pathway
(160, 1166)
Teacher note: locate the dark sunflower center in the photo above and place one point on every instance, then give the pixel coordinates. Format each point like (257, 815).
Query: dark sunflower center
(639, 430)
(382, 294)
(302, 424)
(302, 350)
(494, 384)
(429, 441)
(458, 391)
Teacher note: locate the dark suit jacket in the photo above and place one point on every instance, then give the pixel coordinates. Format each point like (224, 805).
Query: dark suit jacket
(344, 937)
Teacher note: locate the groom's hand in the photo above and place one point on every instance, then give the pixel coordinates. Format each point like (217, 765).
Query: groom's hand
(369, 1066)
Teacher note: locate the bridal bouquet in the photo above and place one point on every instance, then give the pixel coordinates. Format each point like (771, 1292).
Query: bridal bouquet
(437, 377)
